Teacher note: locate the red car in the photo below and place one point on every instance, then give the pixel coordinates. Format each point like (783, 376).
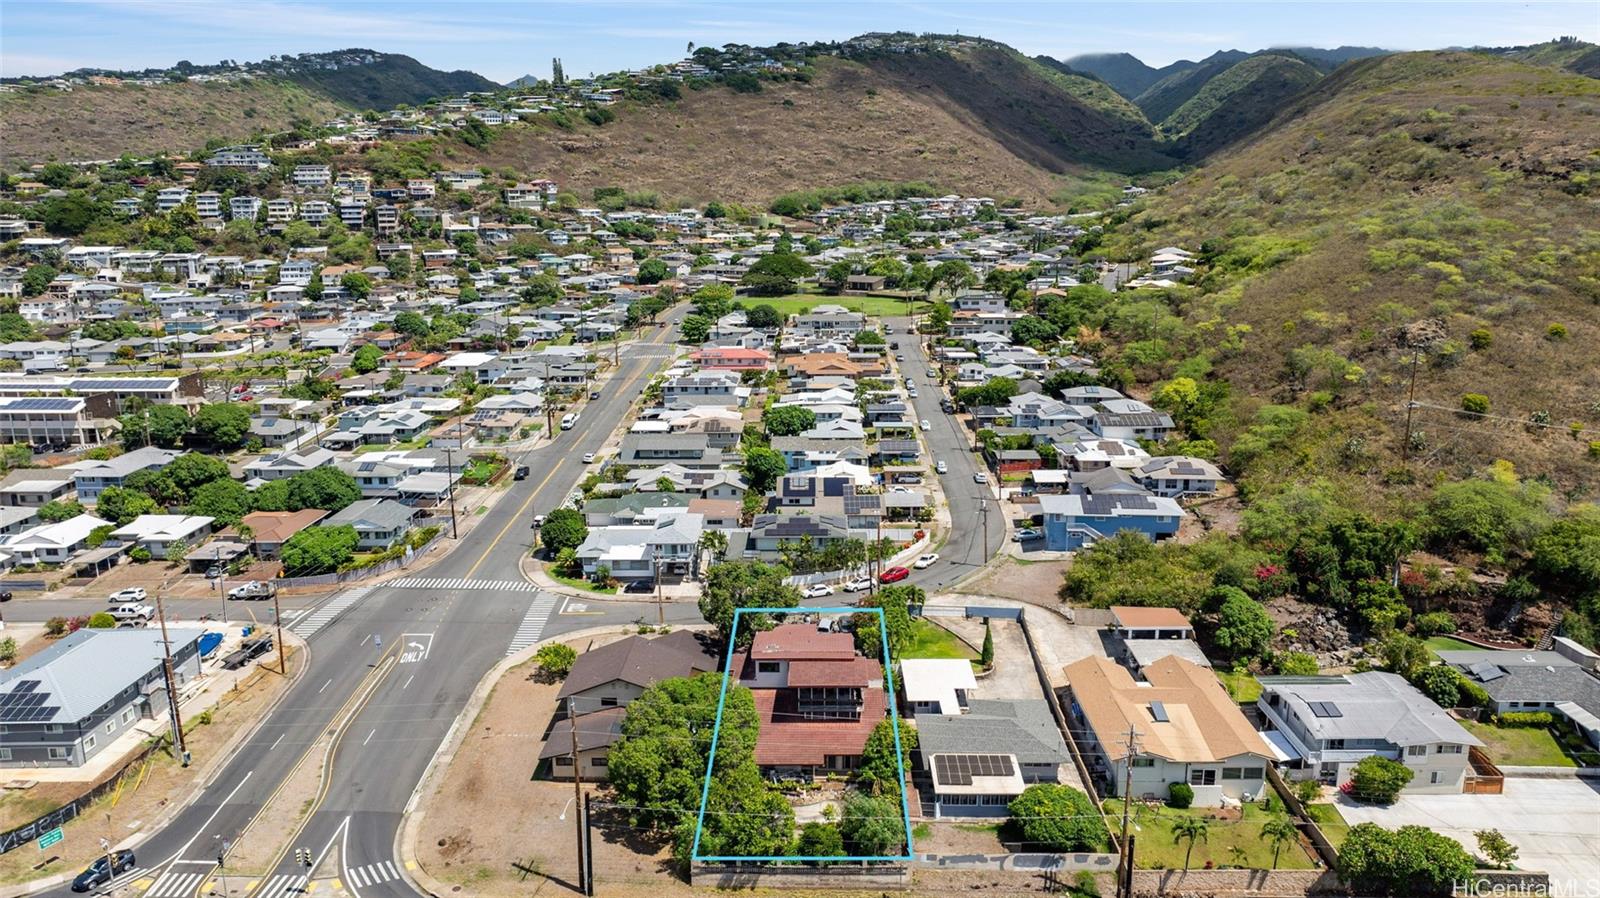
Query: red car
(893, 574)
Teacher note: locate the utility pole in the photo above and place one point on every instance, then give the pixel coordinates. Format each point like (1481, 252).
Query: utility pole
(1411, 404)
(450, 486)
(277, 618)
(172, 686)
(655, 565)
(588, 846)
(983, 509)
(549, 410)
(1125, 858)
(577, 794)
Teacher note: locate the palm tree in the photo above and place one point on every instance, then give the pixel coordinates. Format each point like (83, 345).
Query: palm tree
(714, 542)
(1191, 828)
(1279, 831)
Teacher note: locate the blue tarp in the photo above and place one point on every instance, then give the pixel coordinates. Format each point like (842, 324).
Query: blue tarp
(209, 643)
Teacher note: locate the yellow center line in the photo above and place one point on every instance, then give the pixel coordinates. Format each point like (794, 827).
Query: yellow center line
(537, 489)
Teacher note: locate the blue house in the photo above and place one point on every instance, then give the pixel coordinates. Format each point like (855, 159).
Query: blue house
(1074, 521)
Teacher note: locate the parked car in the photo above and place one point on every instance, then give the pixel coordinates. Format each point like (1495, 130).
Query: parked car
(255, 590)
(941, 467)
(947, 406)
(980, 477)
(925, 560)
(594, 394)
(1027, 533)
(933, 373)
(899, 356)
(101, 871)
(5, 595)
(817, 591)
(133, 612)
(131, 594)
(894, 575)
(858, 584)
(521, 473)
(588, 457)
(926, 426)
(912, 393)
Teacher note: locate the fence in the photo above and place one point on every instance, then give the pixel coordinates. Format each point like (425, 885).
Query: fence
(1094, 862)
(27, 832)
(359, 574)
(1483, 778)
(1307, 826)
(24, 585)
(837, 875)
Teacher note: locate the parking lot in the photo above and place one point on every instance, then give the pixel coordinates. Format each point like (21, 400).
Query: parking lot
(1555, 823)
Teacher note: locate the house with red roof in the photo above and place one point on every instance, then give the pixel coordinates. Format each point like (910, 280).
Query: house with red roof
(816, 696)
(732, 358)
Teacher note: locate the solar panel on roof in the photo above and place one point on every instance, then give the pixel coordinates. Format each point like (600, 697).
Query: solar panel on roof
(1326, 709)
(958, 770)
(1485, 671)
(1159, 712)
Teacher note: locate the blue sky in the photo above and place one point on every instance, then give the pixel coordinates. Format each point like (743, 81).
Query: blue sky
(503, 40)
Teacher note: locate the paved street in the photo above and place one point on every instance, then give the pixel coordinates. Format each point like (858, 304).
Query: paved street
(391, 668)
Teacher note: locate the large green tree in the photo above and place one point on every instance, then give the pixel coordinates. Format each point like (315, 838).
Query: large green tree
(788, 420)
(880, 771)
(763, 467)
(366, 359)
(226, 500)
(191, 470)
(563, 528)
(223, 426)
(745, 817)
(156, 425)
(874, 825)
(318, 550)
(327, 488)
(1244, 629)
(121, 506)
(732, 585)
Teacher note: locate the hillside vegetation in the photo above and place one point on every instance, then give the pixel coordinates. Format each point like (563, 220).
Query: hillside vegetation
(1237, 103)
(1436, 206)
(1163, 98)
(104, 122)
(987, 121)
(390, 81)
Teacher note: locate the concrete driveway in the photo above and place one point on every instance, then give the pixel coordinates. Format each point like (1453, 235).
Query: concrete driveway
(1555, 823)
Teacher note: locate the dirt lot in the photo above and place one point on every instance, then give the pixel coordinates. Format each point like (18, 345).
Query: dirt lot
(1035, 582)
(146, 793)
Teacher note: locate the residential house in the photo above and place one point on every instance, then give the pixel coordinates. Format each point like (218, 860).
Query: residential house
(1185, 729)
(980, 760)
(33, 487)
(1321, 726)
(287, 464)
(158, 533)
(269, 530)
(92, 480)
(379, 523)
(1178, 475)
(669, 546)
(1520, 681)
(1072, 522)
(936, 685)
(816, 697)
(53, 543)
(87, 689)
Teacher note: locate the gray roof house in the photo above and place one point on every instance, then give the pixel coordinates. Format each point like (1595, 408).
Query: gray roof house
(1535, 681)
(1321, 726)
(379, 523)
(634, 552)
(93, 480)
(982, 759)
(64, 705)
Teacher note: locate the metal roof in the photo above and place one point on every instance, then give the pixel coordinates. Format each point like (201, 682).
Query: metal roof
(83, 672)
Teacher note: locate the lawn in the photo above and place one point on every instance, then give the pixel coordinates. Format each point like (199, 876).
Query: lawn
(1155, 849)
(1450, 644)
(578, 582)
(1243, 687)
(1518, 746)
(1330, 822)
(929, 640)
(878, 306)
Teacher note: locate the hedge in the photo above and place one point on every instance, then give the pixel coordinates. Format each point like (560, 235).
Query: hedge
(1525, 719)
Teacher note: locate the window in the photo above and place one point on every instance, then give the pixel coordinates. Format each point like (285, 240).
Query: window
(1449, 750)
(995, 799)
(88, 742)
(1144, 762)
(127, 715)
(1206, 777)
(1254, 773)
(58, 753)
(53, 728)
(1434, 777)
(5, 754)
(1415, 750)
(958, 799)
(768, 667)
(1232, 773)
(111, 726)
(1335, 744)
(608, 701)
(598, 762)
(564, 762)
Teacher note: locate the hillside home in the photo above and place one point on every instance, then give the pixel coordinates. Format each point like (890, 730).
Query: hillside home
(980, 760)
(1074, 521)
(94, 479)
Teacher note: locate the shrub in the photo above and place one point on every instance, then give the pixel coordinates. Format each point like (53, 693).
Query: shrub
(8, 650)
(1528, 720)
(1180, 795)
(1296, 664)
(1496, 847)
(1057, 818)
(102, 620)
(556, 660)
(1307, 790)
(1555, 332)
(1440, 683)
(1475, 404)
(1434, 623)
(1480, 339)
(139, 554)
(55, 626)
(1411, 861)
(1379, 779)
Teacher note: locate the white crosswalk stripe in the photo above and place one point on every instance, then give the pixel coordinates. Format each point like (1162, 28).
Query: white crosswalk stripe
(283, 884)
(173, 884)
(372, 874)
(462, 583)
(532, 626)
(331, 609)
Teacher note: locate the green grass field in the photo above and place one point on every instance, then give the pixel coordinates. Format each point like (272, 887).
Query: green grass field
(1450, 644)
(929, 640)
(1519, 747)
(877, 306)
(1155, 848)
(1330, 822)
(1244, 688)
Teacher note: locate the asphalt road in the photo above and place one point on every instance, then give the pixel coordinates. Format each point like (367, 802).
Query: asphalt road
(390, 669)
(948, 441)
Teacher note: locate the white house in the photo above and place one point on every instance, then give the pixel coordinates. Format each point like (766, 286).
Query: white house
(53, 543)
(157, 532)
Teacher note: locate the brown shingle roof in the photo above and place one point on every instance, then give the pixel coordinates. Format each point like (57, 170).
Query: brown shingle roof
(1202, 723)
(640, 661)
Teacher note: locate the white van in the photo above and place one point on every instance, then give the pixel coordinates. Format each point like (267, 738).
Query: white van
(569, 419)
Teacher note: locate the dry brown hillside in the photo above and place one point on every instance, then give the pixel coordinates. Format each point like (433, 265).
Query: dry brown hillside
(1440, 202)
(38, 125)
(985, 124)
